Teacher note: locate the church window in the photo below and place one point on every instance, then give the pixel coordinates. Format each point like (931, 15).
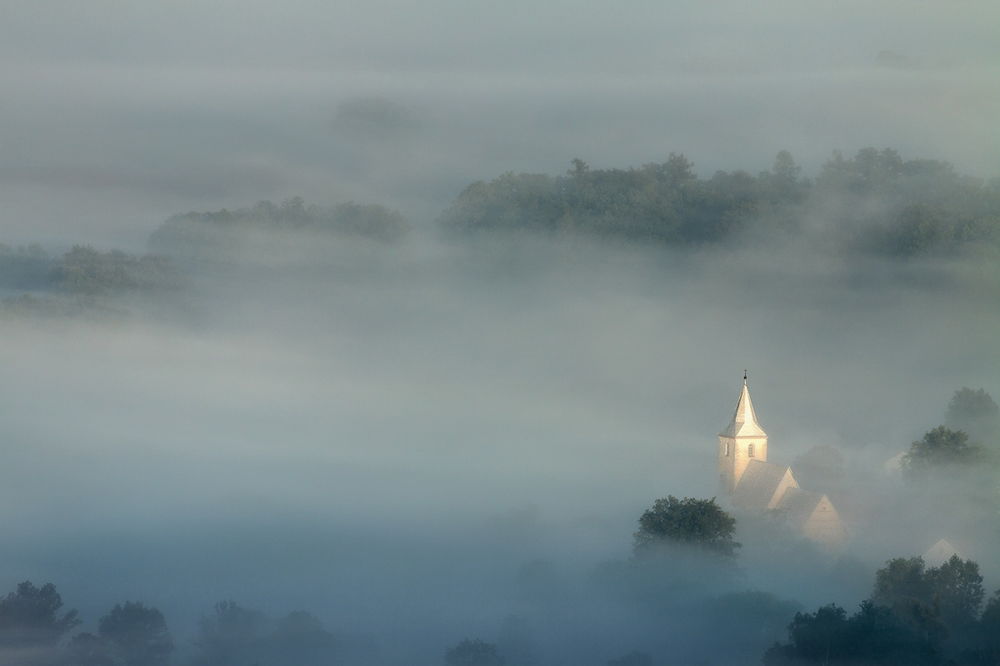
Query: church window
(750, 450)
(727, 448)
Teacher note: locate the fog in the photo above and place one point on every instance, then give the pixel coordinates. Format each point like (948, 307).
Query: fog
(116, 116)
(449, 437)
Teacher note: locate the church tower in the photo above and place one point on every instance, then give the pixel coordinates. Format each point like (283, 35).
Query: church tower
(742, 441)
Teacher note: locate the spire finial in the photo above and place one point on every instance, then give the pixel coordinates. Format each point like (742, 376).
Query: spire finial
(744, 376)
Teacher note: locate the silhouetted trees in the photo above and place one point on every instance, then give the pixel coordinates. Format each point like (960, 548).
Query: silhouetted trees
(84, 270)
(136, 634)
(915, 616)
(31, 618)
(939, 447)
(215, 234)
(233, 635)
(975, 412)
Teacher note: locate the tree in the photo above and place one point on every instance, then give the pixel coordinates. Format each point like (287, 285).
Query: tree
(956, 590)
(939, 447)
(473, 652)
(989, 631)
(784, 169)
(935, 601)
(30, 618)
(814, 637)
(231, 636)
(138, 635)
(873, 635)
(696, 522)
(299, 639)
(974, 412)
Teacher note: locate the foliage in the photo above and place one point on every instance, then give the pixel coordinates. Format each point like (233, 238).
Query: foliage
(939, 447)
(934, 600)
(873, 635)
(915, 616)
(30, 617)
(230, 635)
(875, 202)
(659, 202)
(473, 652)
(84, 270)
(137, 635)
(214, 233)
(234, 635)
(24, 267)
(975, 412)
(697, 522)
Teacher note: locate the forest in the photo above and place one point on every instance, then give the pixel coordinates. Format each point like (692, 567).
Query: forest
(874, 205)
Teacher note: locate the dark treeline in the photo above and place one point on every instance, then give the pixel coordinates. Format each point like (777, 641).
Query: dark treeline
(36, 631)
(874, 202)
(216, 234)
(80, 280)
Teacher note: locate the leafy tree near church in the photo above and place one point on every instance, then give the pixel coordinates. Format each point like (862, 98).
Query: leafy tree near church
(696, 522)
(975, 412)
(938, 447)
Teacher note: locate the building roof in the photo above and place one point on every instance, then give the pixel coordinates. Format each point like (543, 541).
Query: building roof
(762, 485)
(940, 552)
(744, 423)
(799, 505)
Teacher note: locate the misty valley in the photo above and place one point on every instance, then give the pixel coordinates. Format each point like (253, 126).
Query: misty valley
(298, 434)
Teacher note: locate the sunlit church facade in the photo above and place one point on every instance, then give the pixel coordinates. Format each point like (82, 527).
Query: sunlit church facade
(755, 485)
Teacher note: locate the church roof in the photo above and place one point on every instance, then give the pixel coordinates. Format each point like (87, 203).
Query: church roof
(744, 423)
(761, 485)
(799, 505)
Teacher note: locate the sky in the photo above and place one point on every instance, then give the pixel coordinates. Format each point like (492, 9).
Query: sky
(387, 437)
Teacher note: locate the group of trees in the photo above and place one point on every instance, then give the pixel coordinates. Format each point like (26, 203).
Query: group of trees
(875, 201)
(78, 275)
(916, 615)
(34, 631)
(33, 626)
(214, 234)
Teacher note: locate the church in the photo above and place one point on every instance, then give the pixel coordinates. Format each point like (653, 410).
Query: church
(754, 485)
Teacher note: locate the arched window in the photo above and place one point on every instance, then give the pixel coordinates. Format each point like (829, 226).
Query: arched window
(750, 450)
(727, 449)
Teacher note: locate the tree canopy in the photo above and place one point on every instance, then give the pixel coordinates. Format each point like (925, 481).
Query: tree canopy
(874, 202)
(137, 635)
(697, 522)
(939, 447)
(31, 617)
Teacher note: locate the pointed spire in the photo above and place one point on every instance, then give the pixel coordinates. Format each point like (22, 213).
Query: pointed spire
(744, 423)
